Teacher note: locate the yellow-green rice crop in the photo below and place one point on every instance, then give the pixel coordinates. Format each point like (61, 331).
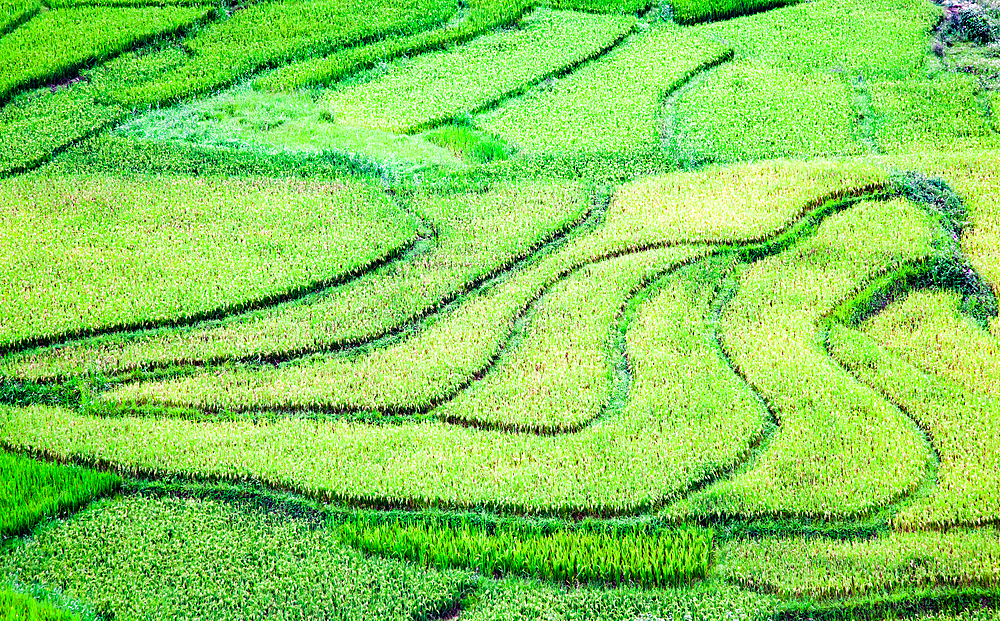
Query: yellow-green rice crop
(840, 448)
(415, 374)
(962, 426)
(437, 87)
(921, 114)
(612, 104)
(96, 253)
(691, 11)
(927, 331)
(148, 558)
(821, 568)
(558, 377)
(59, 42)
(477, 234)
(747, 111)
(681, 429)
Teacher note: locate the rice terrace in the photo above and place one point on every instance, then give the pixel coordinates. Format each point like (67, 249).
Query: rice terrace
(499, 310)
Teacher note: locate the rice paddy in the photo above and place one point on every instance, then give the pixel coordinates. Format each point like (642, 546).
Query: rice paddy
(499, 310)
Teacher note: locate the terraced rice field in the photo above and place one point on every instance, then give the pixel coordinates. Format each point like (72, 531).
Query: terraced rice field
(499, 310)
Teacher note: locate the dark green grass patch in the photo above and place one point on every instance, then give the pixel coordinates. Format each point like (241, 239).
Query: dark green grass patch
(32, 490)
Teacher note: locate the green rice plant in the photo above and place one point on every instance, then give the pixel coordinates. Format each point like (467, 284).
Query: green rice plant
(873, 39)
(690, 418)
(248, 120)
(17, 607)
(611, 105)
(268, 34)
(927, 330)
(58, 43)
(627, 556)
(148, 558)
(822, 569)
(40, 123)
(63, 4)
(483, 16)
(962, 426)
(32, 491)
(468, 143)
(747, 111)
(693, 11)
(116, 253)
(13, 13)
(436, 88)
(557, 376)
(522, 600)
(840, 449)
(477, 235)
(602, 6)
(417, 373)
(941, 114)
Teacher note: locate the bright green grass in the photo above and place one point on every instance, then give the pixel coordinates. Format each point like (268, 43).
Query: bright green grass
(31, 490)
(519, 600)
(962, 426)
(946, 113)
(626, 461)
(468, 143)
(840, 448)
(483, 15)
(621, 556)
(746, 111)
(437, 87)
(115, 252)
(142, 558)
(249, 120)
(17, 607)
(57, 43)
(477, 234)
(15, 12)
(268, 34)
(822, 568)
(414, 374)
(612, 104)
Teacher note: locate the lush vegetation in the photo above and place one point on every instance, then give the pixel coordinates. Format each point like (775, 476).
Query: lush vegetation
(56, 43)
(610, 105)
(438, 87)
(33, 490)
(500, 310)
(117, 253)
(615, 557)
(18, 607)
